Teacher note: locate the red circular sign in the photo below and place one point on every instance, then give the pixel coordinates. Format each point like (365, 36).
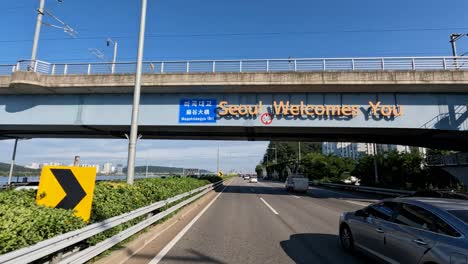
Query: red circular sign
(266, 118)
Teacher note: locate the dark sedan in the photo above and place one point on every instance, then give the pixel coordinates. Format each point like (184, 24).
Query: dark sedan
(409, 230)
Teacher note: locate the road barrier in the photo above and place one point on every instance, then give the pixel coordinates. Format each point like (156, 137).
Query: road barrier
(60, 243)
(391, 192)
(249, 65)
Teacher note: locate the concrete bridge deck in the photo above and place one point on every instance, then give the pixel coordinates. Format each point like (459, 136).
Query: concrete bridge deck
(274, 82)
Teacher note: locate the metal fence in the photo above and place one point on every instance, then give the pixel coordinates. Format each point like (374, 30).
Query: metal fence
(7, 69)
(252, 65)
(455, 159)
(57, 244)
(374, 190)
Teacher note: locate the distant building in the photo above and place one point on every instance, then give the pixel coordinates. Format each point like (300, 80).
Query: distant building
(119, 169)
(107, 168)
(96, 166)
(357, 150)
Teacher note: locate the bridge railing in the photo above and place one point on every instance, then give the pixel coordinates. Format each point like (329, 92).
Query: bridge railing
(7, 69)
(252, 65)
(455, 159)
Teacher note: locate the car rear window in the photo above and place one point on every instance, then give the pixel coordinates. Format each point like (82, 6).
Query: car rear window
(460, 214)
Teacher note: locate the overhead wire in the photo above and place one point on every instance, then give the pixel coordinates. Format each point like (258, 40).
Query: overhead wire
(248, 34)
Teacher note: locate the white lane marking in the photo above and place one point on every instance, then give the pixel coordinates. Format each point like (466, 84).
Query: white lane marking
(147, 242)
(357, 203)
(295, 196)
(176, 239)
(269, 206)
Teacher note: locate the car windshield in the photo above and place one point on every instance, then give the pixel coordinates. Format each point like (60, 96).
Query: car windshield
(460, 214)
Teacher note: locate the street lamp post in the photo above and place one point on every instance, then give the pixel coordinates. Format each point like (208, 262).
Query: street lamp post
(37, 32)
(114, 56)
(12, 165)
(136, 98)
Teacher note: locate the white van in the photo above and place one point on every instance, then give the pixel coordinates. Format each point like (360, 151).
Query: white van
(297, 183)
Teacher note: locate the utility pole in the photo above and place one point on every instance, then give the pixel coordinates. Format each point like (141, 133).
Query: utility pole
(37, 32)
(76, 161)
(146, 172)
(12, 165)
(376, 172)
(136, 98)
(299, 152)
(217, 162)
(453, 39)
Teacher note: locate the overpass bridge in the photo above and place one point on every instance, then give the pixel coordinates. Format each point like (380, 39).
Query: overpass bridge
(414, 101)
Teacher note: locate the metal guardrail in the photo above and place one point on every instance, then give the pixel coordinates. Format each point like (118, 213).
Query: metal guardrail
(251, 65)
(61, 242)
(7, 69)
(455, 159)
(368, 189)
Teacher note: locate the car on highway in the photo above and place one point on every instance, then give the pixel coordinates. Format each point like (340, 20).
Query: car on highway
(253, 180)
(297, 183)
(409, 230)
(246, 177)
(28, 186)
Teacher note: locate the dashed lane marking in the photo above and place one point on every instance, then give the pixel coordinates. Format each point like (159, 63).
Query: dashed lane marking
(269, 206)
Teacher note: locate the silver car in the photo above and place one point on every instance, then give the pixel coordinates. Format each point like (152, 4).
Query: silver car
(409, 230)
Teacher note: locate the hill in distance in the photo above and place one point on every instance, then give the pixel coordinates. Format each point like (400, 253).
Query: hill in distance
(162, 169)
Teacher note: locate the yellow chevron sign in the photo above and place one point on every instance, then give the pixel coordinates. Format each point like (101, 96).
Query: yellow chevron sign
(67, 188)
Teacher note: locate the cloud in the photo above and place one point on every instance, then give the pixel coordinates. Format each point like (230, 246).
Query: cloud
(234, 155)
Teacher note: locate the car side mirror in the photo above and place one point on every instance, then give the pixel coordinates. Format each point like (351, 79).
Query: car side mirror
(361, 213)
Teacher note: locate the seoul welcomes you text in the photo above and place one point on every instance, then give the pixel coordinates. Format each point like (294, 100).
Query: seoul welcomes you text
(287, 109)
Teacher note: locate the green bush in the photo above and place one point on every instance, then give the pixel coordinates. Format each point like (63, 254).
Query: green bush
(212, 178)
(23, 223)
(116, 198)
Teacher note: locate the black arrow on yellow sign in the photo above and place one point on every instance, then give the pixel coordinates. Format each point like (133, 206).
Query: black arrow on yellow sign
(74, 193)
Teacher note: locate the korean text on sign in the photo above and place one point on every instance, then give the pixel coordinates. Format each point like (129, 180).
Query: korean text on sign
(197, 111)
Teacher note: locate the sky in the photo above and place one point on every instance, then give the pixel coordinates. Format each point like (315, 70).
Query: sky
(214, 29)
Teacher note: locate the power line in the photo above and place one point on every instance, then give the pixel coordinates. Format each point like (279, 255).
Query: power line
(250, 34)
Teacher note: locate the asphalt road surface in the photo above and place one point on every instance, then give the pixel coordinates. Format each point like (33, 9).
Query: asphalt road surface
(262, 223)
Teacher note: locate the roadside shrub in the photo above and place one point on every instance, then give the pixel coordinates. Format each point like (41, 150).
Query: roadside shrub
(115, 198)
(23, 223)
(212, 179)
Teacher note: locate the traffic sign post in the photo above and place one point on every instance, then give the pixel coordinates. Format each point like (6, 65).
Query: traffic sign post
(67, 188)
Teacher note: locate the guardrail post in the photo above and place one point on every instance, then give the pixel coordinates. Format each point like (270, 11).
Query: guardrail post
(268, 65)
(295, 65)
(214, 66)
(383, 63)
(35, 66)
(18, 66)
(89, 68)
(413, 63)
(240, 66)
(53, 69)
(324, 65)
(65, 69)
(352, 64)
(162, 67)
(444, 62)
(188, 66)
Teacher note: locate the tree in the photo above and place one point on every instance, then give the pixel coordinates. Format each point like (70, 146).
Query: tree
(259, 170)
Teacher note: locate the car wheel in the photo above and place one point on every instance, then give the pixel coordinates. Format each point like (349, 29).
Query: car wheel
(346, 239)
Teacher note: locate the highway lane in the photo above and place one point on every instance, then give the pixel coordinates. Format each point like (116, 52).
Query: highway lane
(262, 223)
